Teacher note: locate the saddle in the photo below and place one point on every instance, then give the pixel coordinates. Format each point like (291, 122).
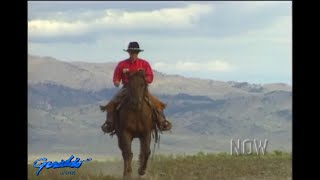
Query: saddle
(156, 104)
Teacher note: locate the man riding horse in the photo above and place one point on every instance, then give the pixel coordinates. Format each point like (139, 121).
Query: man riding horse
(133, 63)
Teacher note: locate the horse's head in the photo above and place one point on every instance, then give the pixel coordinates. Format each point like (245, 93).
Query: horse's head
(137, 87)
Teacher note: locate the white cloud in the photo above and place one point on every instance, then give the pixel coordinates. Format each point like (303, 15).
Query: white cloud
(188, 66)
(280, 31)
(255, 6)
(184, 17)
(54, 28)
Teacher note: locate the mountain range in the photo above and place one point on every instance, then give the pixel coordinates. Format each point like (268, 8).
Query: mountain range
(64, 115)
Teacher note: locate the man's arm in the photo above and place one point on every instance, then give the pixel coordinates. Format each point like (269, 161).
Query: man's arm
(117, 75)
(148, 72)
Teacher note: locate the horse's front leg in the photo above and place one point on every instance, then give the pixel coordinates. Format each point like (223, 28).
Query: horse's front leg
(124, 141)
(144, 153)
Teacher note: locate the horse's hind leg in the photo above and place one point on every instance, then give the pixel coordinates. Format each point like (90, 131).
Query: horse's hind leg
(125, 145)
(144, 153)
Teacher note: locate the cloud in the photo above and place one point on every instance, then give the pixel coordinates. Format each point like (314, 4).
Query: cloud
(165, 18)
(280, 31)
(189, 66)
(55, 28)
(231, 42)
(255, 6)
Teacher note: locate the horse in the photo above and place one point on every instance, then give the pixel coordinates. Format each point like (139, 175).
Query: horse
(134, 119)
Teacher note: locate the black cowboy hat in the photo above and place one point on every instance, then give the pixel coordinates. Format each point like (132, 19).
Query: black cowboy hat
(133, 46)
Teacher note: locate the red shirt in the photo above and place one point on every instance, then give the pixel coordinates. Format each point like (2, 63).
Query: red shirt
(132, 66)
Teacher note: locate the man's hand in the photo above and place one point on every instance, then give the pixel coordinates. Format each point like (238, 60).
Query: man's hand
(117, 83)
(125, 71)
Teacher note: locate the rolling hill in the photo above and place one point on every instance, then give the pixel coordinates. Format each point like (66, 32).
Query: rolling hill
(63, 113)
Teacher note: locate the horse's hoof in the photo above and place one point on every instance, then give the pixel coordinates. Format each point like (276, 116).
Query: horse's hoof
(141, 172)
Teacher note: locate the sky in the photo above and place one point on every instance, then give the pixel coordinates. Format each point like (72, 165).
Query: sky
(221, 40)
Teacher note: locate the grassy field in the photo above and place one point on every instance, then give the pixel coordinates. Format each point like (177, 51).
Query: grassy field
(272, 166)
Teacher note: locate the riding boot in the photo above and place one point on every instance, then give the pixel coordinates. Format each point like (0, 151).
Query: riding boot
(163, 124)
(108, 126)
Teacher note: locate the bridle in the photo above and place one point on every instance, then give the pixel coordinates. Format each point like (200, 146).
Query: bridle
(131, 97)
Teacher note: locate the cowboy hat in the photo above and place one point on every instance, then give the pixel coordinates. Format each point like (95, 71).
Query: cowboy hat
(133, 46)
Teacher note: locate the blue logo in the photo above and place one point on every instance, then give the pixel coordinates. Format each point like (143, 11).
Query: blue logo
(49, 164)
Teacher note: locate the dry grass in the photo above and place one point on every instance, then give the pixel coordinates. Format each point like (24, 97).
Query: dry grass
(202, 166)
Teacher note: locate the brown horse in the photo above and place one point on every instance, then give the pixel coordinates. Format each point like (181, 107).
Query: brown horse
(134, 119)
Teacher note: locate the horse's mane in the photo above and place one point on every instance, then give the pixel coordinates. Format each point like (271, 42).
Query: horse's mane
(139, 73)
